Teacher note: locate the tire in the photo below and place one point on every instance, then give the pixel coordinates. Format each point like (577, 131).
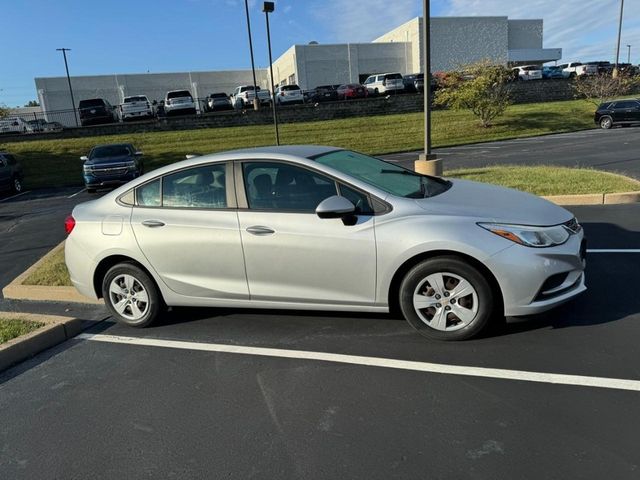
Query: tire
(16, 185)
(606, 122)
(433, 283)
(118, 284)
(376, 92)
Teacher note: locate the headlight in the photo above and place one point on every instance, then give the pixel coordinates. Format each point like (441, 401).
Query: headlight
(538, 237)
(86, 168)
(131, 166)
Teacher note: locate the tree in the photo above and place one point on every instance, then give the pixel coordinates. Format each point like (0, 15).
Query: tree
(4, 110)
(481, 87)
(32, 103)
(599, 88)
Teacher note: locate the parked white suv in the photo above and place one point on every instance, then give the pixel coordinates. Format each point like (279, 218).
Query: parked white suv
(528, 72)
(137, 106)
(179, 102)
(288, 95)
(243, 96)
(577, 69)
(384, 82)
(15, 125)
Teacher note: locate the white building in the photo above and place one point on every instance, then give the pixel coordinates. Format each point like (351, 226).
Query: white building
(455, 42)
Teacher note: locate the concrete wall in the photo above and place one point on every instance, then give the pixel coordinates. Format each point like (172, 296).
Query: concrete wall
(411, 32)
(525, 34)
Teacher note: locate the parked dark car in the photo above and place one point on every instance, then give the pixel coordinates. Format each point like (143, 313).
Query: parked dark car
(414, 82)
(604, 67)
(11, 175)
(617, 112)
(96, 111)
(111, 165)
(325, 93)
(351, 90)
(218, 101)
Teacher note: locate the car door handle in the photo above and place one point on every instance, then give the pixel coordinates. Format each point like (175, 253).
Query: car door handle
(260, 230)
(153, 223)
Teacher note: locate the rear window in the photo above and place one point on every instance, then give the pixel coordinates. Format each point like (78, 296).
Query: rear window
(139, 98)
(530, 68)
(249, 87)
(289, 87)
(94, 102)
(179, 94)
(393, 76)
(218, 95)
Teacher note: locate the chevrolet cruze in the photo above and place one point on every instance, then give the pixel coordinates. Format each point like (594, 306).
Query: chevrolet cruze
(323, 228)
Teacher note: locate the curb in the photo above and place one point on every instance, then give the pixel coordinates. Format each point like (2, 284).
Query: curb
(56, 330)
(595, 198)
(17, 291)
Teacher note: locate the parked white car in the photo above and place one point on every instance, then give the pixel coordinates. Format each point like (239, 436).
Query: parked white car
(384, 83)
(15, 125)
(179, 102)
(577, 69)
(137, 106)
(288, 95)
(243, 96)
(529, 72)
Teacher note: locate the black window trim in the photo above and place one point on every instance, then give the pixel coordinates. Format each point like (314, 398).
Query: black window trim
(229, 189)
(243, 203)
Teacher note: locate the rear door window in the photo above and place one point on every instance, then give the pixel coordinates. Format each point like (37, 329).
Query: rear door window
(625, 105)
(148, 195)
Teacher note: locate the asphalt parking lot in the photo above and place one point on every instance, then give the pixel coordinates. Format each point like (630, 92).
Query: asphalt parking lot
(609, 150)
(193, 398)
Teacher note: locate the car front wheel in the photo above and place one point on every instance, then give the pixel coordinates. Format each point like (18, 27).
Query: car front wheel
(131, 296)
(445, 298)
(606, 123)
(17, 185)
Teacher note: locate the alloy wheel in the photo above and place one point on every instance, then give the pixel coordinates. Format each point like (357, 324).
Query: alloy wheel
(129, 297)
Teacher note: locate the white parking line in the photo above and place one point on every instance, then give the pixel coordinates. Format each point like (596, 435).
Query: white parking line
(553, 378)
(77, 193)
(613, 250)
(14, 196)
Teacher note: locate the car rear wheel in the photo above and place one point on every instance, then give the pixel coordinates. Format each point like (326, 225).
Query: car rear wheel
(445, 298)
(17, 185)
(606, 123)
(131, 296)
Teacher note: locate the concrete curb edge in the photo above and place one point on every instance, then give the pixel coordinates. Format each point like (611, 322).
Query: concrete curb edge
(55, 331)
(595, 198)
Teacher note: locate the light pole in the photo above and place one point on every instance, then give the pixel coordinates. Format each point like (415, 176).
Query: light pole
(256, 102)
(615, 69)
(427, 163)
(629, 55)
(66, 66)
(267, 8)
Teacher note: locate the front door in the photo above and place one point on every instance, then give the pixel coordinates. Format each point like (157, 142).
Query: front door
(293, 255)
(189, 235)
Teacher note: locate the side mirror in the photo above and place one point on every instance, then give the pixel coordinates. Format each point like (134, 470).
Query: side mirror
(84, 158)
(335, 207)
(138, 154)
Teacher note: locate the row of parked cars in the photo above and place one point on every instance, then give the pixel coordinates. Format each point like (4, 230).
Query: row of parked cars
(570, 70)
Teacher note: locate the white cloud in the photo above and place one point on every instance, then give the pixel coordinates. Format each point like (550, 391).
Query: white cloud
(362, 21)
(584, 29)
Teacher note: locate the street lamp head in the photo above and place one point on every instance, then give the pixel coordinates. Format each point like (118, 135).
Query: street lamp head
(268, 7)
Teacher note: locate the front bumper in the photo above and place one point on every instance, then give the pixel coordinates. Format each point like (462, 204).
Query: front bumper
(524, 275)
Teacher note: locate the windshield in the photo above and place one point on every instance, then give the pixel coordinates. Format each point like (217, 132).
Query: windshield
(110, 151)
(386, 176)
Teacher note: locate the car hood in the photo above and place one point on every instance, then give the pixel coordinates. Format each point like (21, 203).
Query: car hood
(114, 159)
(488, 202)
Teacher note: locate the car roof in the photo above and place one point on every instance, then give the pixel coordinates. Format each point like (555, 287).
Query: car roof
(112, 145)
(305, 151)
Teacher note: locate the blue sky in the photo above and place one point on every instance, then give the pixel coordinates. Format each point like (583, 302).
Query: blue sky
(118, 36)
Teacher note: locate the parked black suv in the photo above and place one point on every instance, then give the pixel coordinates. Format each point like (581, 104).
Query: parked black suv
(11, 176)
(324, 93)
(96, 111)
(111, 165)
(617, 112)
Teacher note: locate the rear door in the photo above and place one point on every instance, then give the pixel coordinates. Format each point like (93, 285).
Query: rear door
(625, 111)
(291, 254)
(186, 225)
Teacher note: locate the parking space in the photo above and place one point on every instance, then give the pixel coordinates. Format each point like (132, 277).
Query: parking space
(197, 400)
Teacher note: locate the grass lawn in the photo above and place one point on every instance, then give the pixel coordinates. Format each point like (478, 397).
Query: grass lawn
(56, 162)
(52, 272)
(544, 180)
(537, 180)
(14, 327)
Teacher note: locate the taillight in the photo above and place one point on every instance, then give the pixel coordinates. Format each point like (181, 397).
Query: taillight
(69, 223)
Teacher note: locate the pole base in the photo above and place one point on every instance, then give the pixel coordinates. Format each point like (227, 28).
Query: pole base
(256, 104)
(428, 165)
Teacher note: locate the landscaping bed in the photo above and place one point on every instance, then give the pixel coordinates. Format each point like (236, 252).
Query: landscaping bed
(11, 328)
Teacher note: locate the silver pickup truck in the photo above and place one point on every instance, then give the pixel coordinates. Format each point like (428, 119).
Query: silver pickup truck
(243, 96)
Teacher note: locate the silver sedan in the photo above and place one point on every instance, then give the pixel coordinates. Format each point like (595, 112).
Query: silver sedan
(322, 228)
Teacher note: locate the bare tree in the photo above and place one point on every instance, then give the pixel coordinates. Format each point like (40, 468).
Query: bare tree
(600, 88)
(481, 87)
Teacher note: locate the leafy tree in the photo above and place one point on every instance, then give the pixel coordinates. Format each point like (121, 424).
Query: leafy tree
(32, 103)
(481, 87)
(4, 110)
(600, 88)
